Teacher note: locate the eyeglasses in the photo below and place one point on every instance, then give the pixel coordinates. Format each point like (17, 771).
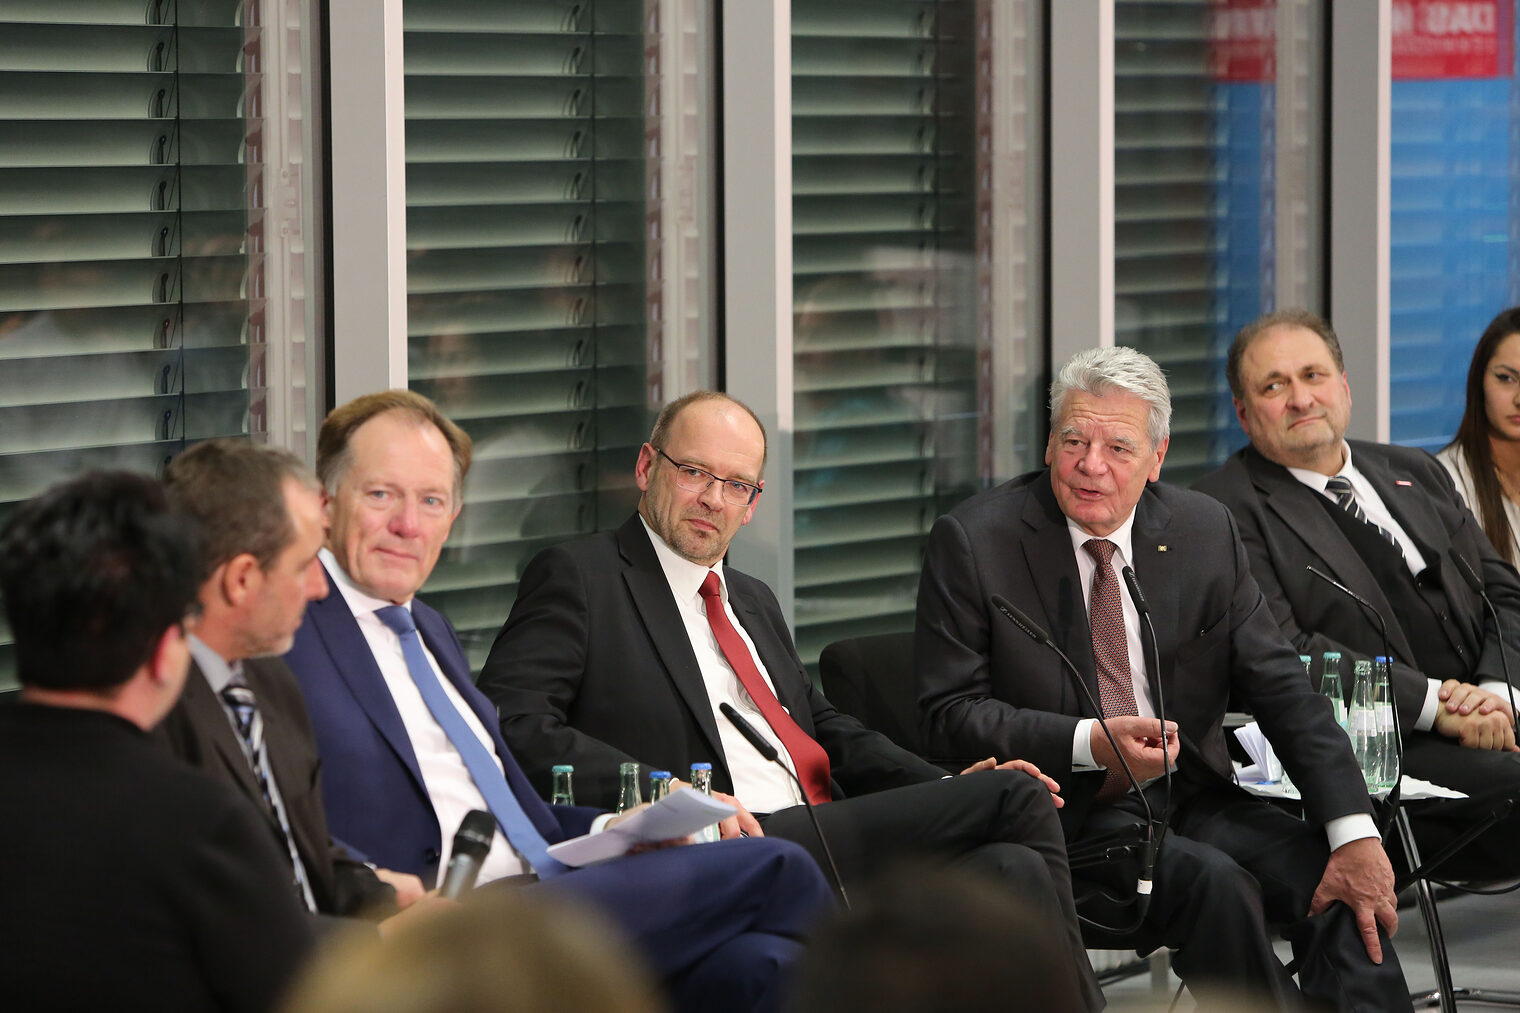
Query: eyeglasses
(735, 492)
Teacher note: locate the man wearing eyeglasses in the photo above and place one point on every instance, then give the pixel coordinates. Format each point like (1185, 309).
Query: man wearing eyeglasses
(622, 646)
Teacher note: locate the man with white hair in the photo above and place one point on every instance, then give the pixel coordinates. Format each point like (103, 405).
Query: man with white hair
(1055, 544)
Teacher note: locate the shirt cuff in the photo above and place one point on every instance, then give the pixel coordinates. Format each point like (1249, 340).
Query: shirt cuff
(600, 823)
(1345, 829)
(1427, 719)
(1500, 689)
(1081, 747)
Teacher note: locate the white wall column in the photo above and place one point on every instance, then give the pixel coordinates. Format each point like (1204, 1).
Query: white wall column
(757, 252)
(1360, 131)
(1081, 176)
(368, 197)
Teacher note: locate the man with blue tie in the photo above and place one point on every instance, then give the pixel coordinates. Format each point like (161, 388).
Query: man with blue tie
(409, 746)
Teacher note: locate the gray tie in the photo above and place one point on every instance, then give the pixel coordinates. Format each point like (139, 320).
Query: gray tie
(1345, 496)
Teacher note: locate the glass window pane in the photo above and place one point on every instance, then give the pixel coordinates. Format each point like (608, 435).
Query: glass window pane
(1197, 194)
(893, 400)
(131, 237)
(529, 299)
(1455, 205)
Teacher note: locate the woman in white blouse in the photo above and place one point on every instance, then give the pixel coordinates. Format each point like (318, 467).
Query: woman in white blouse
(1484, 456)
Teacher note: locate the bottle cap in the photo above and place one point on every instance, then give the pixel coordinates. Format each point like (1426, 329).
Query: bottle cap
(562, 768)
(701, 766)
(658, 775)
(1333, 654)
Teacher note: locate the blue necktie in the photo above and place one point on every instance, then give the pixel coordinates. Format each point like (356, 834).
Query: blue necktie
(483, 768)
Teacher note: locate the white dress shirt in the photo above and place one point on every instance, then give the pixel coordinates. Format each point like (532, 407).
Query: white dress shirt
(759, 784)
(1341, 830)
(1378, 513)
(449, 785)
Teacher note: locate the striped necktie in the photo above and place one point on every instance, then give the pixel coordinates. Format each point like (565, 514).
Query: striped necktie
(1345, 498)
(1110, 641)
(238, 697)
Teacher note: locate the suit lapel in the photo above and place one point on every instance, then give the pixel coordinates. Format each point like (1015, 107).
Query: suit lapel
(1053, 570)
(662, 620)
(1294, 503)
(773, 656)
(350, 657)
(1411, 505)
(1156, 561)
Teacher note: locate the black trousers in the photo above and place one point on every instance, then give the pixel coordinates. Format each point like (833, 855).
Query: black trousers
(998, 820)
(1489, 779)
(1231, 867)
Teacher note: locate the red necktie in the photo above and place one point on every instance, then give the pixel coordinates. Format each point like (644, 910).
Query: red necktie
(1105, 616)
(808, 757)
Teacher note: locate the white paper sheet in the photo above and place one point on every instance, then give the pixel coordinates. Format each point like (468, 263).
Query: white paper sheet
(678, 814)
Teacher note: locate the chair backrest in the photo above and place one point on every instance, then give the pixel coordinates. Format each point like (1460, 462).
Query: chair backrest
(871, 679)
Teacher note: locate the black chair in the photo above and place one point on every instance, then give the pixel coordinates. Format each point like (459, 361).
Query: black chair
(871, 679)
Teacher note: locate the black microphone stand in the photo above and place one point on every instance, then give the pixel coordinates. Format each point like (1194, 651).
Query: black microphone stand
(1471, 577)
(768, 752)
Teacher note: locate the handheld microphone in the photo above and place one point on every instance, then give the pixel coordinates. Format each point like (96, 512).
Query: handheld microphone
(768, 752)
(1143, 884)
(1471, 577)
(1143, 607)
(1393, 697)
(471, 842)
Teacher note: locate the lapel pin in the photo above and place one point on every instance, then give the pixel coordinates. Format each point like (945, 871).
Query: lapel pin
(1161, 548)
(1403, 481)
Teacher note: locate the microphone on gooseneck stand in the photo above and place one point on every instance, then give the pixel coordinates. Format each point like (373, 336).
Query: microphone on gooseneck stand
(1143, 607)
(1471, 577)
(768, 752)
(1143, 883)
(471, 843)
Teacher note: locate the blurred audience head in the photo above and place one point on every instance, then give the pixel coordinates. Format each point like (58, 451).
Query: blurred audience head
(932, 939)
(501, 951)
(98, 575)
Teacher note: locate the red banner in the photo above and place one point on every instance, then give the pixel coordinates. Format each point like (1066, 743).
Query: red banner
(1453, 38)
(1431, 39)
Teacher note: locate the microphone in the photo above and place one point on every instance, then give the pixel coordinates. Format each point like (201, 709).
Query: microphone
(769, 753)
(1471, 577)
(1393, 697)
(1143, 607)
(471, 842)
(1143, 883)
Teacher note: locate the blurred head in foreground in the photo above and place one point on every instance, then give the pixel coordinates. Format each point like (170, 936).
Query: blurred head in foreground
(502, 951)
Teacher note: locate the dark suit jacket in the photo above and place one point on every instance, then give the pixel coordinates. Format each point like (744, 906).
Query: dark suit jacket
(987, 688)
(375, 798)
(135, 882)
(594, 668)
(198, 732)
(1284, 530)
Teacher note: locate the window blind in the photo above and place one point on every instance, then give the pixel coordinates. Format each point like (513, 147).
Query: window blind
(529, 311)
(885, 311)
(1192, 213)
(131, 314)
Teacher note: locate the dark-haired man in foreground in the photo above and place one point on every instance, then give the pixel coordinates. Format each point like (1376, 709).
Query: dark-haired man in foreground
(133, 882)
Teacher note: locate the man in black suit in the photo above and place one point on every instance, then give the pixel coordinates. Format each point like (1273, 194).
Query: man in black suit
(258, 511)
(1399, 551)
(135, 883)
(1054, 543)
(622, 646)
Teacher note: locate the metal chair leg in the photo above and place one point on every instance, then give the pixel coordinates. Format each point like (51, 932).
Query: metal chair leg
(1445, 994)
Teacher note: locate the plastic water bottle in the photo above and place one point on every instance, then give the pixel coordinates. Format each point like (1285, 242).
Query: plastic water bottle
(1330, 686)
(1362, 723)
(1388, 732)
(659, 784)
(563, 790)
(629, 794)
(701, 780)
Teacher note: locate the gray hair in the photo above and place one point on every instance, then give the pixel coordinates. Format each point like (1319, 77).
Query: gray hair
(1099, 371)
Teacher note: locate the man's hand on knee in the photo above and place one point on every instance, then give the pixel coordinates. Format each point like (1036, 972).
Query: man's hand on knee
(1359, 875)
